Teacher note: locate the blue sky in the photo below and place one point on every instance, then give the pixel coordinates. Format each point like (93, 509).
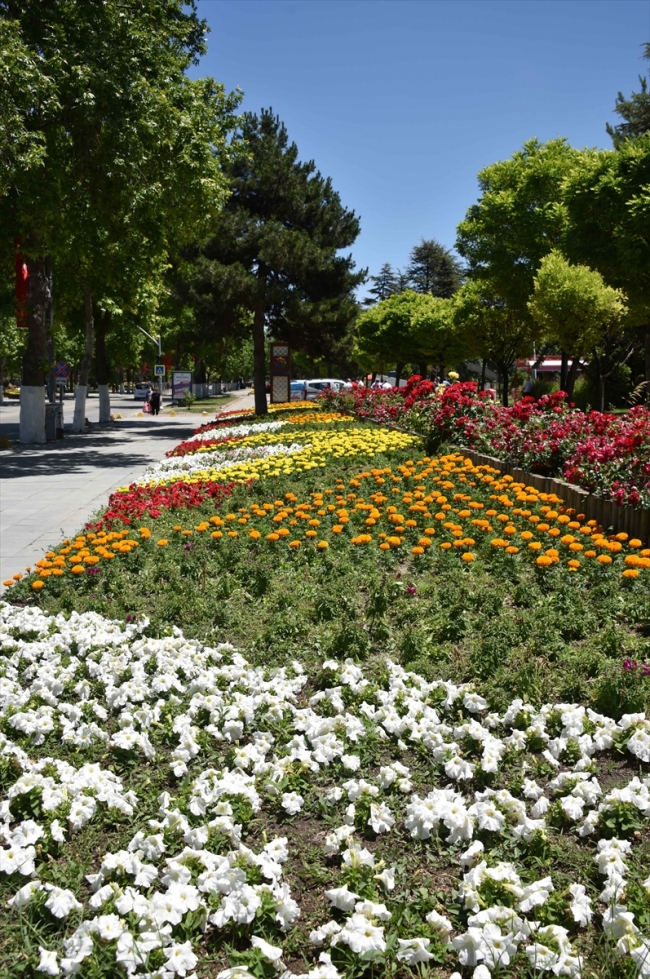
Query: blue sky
(401, 102)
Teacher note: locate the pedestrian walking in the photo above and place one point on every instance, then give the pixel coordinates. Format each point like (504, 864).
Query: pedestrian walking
(154, 401)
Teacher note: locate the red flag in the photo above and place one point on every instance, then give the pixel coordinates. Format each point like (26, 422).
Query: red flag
(22, 288)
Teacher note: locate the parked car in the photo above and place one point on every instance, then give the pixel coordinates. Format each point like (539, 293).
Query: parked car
(298, 390)
(140, 390)
(317, 385)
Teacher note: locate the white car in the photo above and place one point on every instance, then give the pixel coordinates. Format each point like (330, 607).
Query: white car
(318, 385)
(140, 391)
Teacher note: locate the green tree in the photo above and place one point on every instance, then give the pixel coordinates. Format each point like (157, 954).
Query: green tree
(635, 111)
(435, 334)
(385, 284)
(609, 226)
(572, 304)
(489, 328)
(131, 161)
(432, 268)
(273, 263)
(518, 219)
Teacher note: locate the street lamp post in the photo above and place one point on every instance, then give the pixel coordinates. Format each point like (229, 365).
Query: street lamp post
(158, 343)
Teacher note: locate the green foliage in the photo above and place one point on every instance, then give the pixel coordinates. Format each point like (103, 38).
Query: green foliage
(573, 305)
(434, 269)
(635, 111)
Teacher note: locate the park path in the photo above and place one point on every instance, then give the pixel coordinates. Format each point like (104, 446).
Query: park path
(48, 492)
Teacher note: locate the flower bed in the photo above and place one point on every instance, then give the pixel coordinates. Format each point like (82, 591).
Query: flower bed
(228, 749)
(602, 453)
(427, 754)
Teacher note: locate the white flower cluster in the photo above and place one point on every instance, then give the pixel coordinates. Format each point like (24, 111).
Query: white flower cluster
(215, 460)
(236, 431)
(84, 682)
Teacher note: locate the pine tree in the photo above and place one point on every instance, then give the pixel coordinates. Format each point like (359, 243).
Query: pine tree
(272, 265)
(635, 111)
(434, 269)
(386, 284)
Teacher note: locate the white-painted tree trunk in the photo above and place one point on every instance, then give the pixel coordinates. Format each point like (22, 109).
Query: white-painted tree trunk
(79, 417)
(81, 393)
(104, 404)
(32, 414)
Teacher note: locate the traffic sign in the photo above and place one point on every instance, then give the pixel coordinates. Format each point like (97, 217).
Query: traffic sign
(159, 370)
(62, 370)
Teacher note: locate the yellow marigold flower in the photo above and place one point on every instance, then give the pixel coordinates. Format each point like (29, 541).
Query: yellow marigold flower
(497, 542)
(628, 573)
(635, 542)
(337, 528)
(384, 546)
(417, 550)
(177, 527)
(254, 535)
(604, 559)
(294, 543)
(322, 545)
(535, 546)
(45, 573)
(145, 533)
(163, 543)
(311, 533)
(526, 535)
(573, 564)
(430, 531)
(622, 537)
(314, 523)
(590, 554)
(217, 521)
(202, 526)
(468, 557)
(393, 541)
(411, 523)
(512, 550)
(543, 561)
(563, 518)
(233, 533)
(576, 546)
(445, 546)
(554, 532)
(37, 585)
(58, 572)
(271, 537)
(77, 569)
(424, 542)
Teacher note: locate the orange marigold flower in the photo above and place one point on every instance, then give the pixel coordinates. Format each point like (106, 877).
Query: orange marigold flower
(37, 585)
(628, 573)
(322, 545)
(417, 550)
(216, 535)
(295, 543)
(161, 543)
(445, 546)
(254, 535)
(573, 564)
(512, 550)
(468, 557)
(145, 533)
(233, 533)
(271, 537)
(635, 542)
(311, 533)
(590, 554)
(384, 546)
(8, 582)
(543, 561)
(604, 559)
(77, 569)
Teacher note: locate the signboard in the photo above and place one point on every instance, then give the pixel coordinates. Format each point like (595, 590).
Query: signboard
(159, 370)
(280, 373)
(62, 370)
(181, 382)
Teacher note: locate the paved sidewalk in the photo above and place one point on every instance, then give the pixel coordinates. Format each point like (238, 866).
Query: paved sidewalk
(48, 492)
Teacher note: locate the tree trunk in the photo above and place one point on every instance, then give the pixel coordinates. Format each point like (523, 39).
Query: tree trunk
(259, 361)
(504, 393)
(483, 365)
(101, 362)
(423, 371)
(647, 365)
(563, 371)
(32, 389)
(398, 374)
(571, 376)
(79, 421)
